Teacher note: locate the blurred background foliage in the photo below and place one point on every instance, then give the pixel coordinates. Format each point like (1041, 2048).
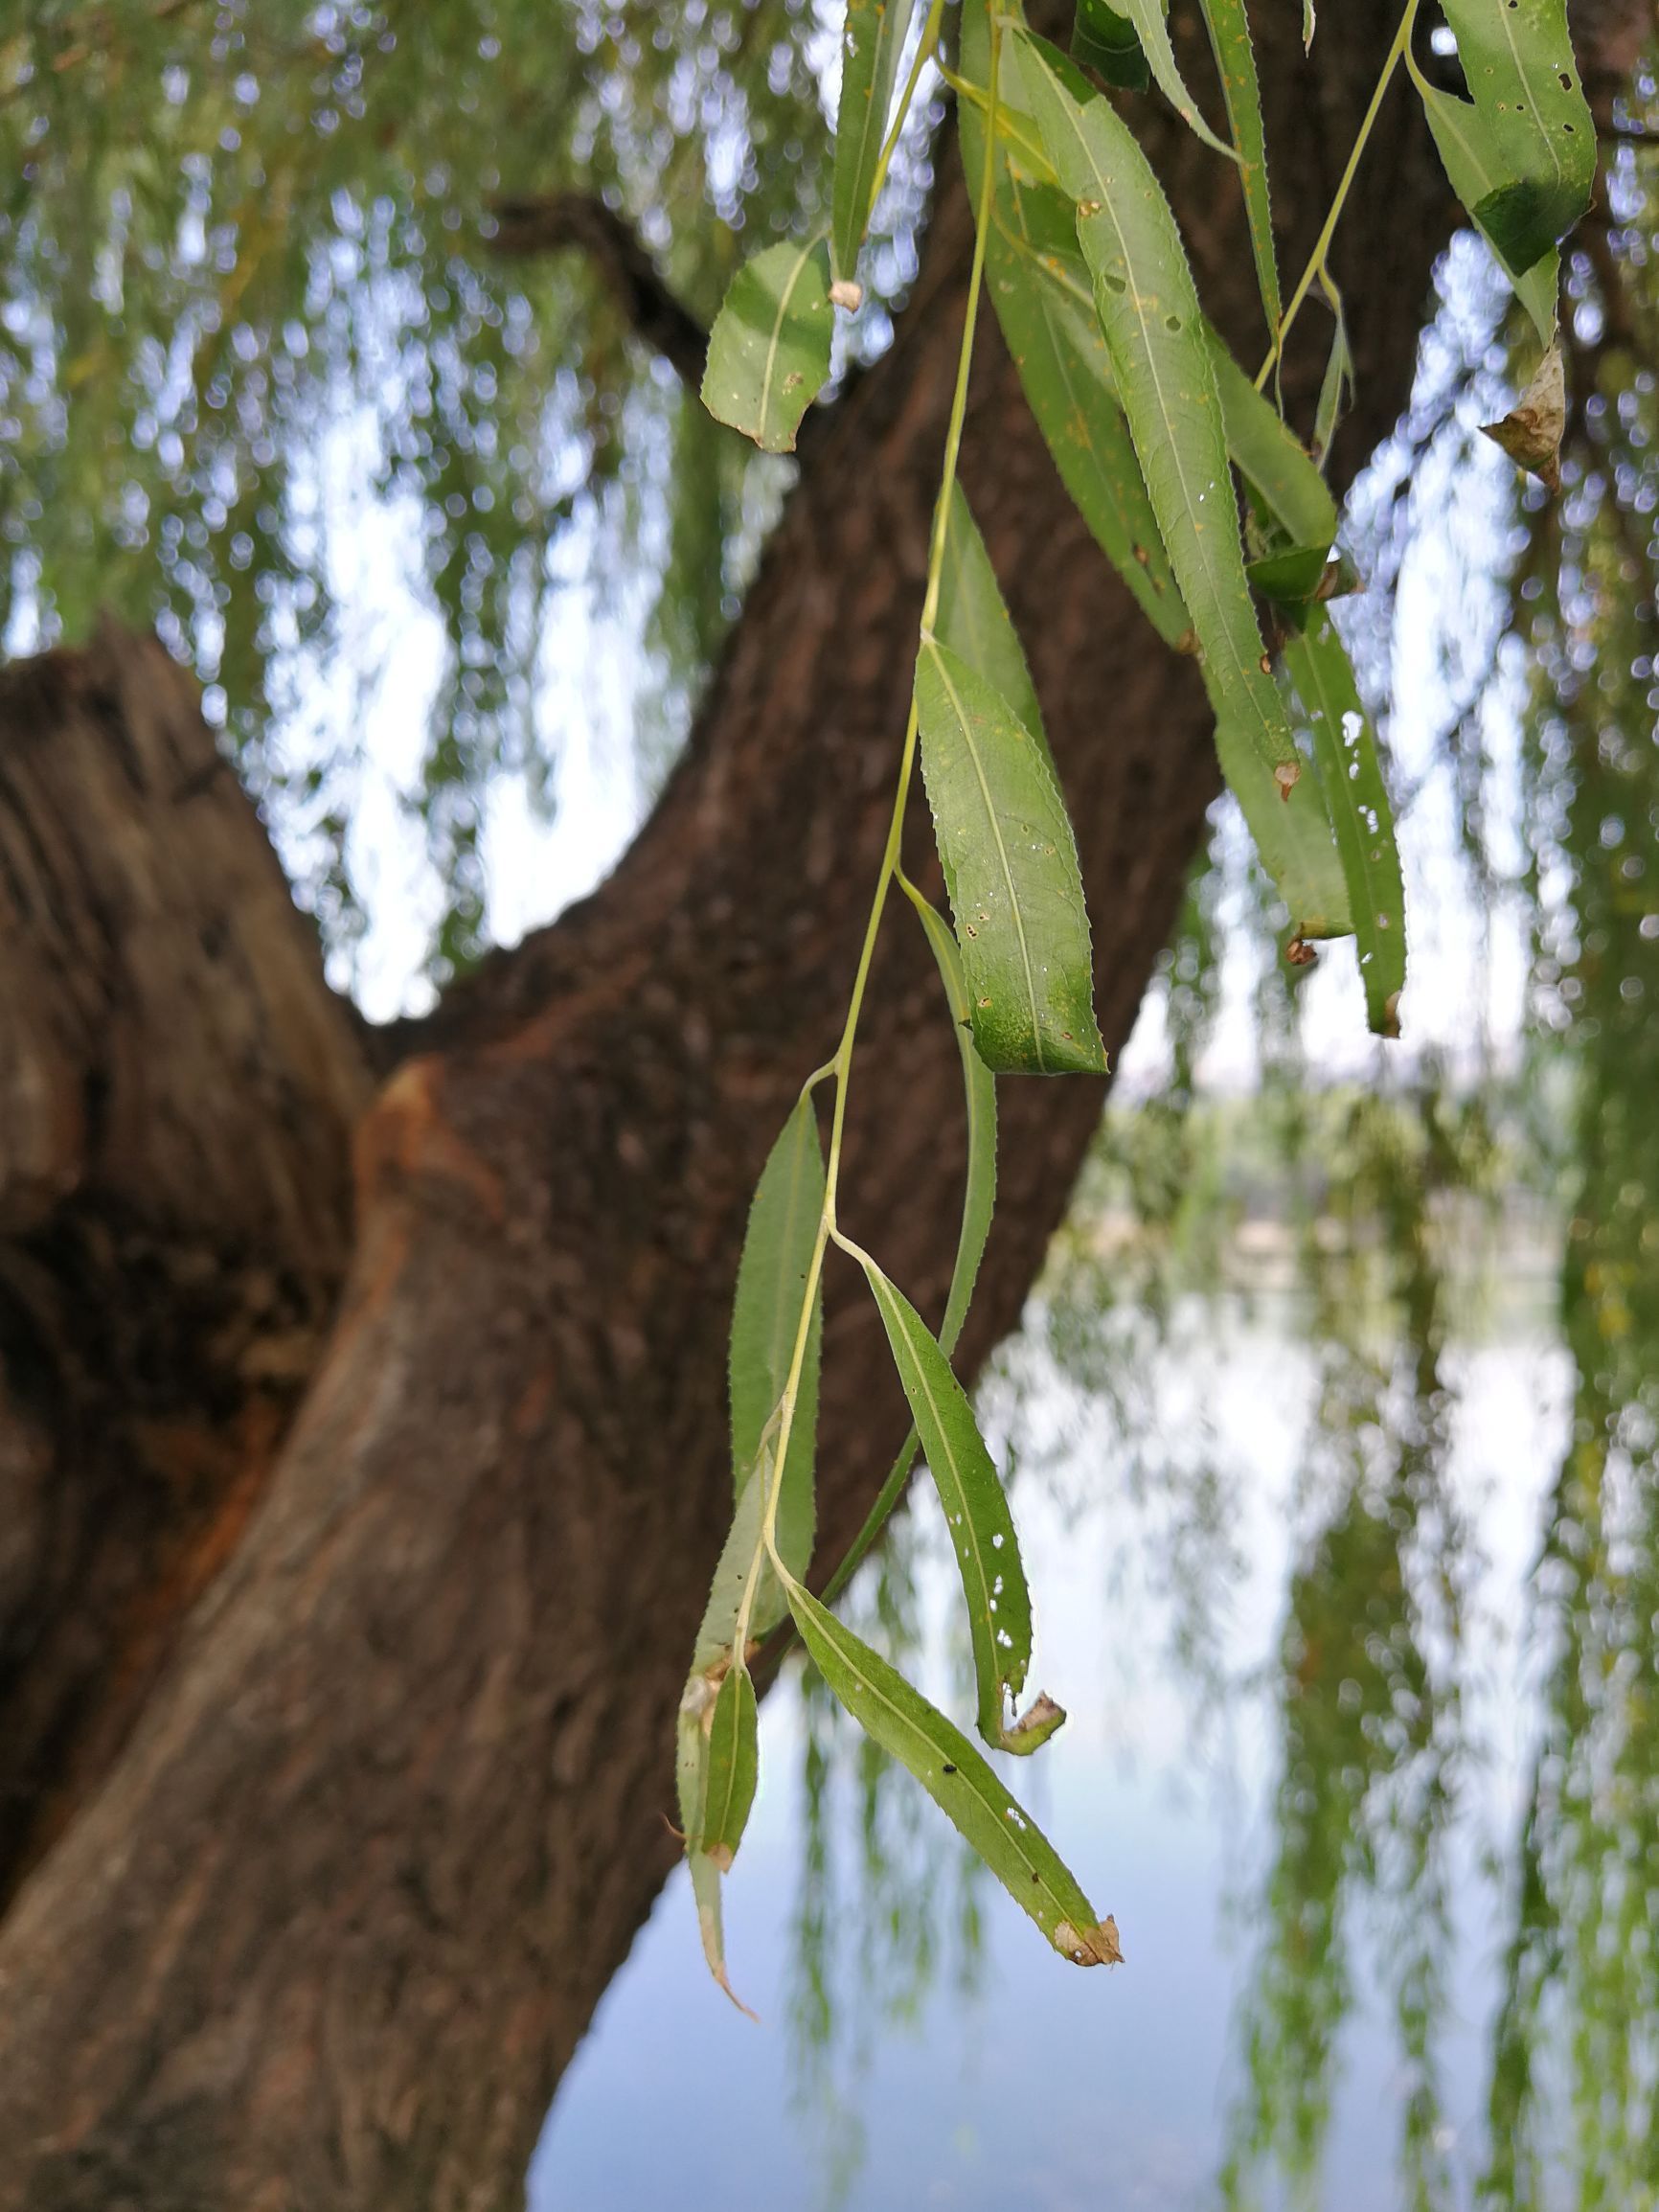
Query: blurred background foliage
(249, 260)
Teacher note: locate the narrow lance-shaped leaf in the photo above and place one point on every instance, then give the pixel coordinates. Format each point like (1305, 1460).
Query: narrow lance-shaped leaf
(706, 1878)
(1041, 290)
(1105, 42)
(1281, 473)
(978, 1199)
(1165, 378)
(960, 1782)
(976, 1509)
(872, 48)
(1345, 750)
(733, 1764)
(1229, 28)
(717, 1635)
(1336, 386)
(778, 1248)
(769, 349)
(1010, 866)
(979, 1092)
(693, 1745)
(1153, 32)
(1476, 172)
(974, 621)
(1517, 60)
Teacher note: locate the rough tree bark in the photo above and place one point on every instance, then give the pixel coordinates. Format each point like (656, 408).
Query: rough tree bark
(329, 1920)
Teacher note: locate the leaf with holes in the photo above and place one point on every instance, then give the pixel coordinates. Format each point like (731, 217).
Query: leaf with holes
(960, 1782)
(871, 49)
(976, 1509)
(1475, 172)
(769, 349)
(1010, 867)
(1517, 61)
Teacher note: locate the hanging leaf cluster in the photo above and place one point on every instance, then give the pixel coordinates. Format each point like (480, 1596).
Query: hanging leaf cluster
(1211, 507)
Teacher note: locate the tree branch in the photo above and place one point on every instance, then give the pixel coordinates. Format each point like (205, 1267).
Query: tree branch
(574, 220)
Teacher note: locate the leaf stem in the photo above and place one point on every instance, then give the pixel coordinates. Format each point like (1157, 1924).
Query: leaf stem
(926, 49)
(1398, 50)
(889, 869)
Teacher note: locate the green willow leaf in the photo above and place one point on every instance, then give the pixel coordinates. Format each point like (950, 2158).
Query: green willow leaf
(1345, 750)
(871, 53)
(1292, 575)
(1284, 481)
(1105, 42)
(1165, 376)
(974, 621)
(1040, 288)
(1153, 32)
(1229, 28)
(979, 1092)
(717, 1635)
(706, 1891)
(1336, 387)
(1517, 61)
(769, 349)
(777, 1247)
(976, 1509)
(1010, 866)
(978, 1201)
(693, 1764)
(1475, 170)
(734, 1766)
(960, 1782)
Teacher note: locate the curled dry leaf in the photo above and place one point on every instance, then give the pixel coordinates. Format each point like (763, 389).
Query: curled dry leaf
(1531, 433)
(1040, 1721)
(1090, 1945)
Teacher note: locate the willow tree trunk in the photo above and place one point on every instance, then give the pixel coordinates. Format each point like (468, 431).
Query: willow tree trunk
(329, 1871)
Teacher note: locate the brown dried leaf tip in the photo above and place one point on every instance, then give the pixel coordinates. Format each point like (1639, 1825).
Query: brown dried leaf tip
(1287, 775)
(1299, 953)
(1531, 433)
(1093, 1947)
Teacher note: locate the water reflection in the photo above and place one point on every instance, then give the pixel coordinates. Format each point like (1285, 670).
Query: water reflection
(1344, 1555)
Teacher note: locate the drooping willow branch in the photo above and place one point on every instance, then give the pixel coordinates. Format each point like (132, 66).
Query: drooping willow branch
(1157, 431)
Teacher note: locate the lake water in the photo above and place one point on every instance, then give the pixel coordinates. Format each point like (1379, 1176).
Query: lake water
(1310, 1838)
